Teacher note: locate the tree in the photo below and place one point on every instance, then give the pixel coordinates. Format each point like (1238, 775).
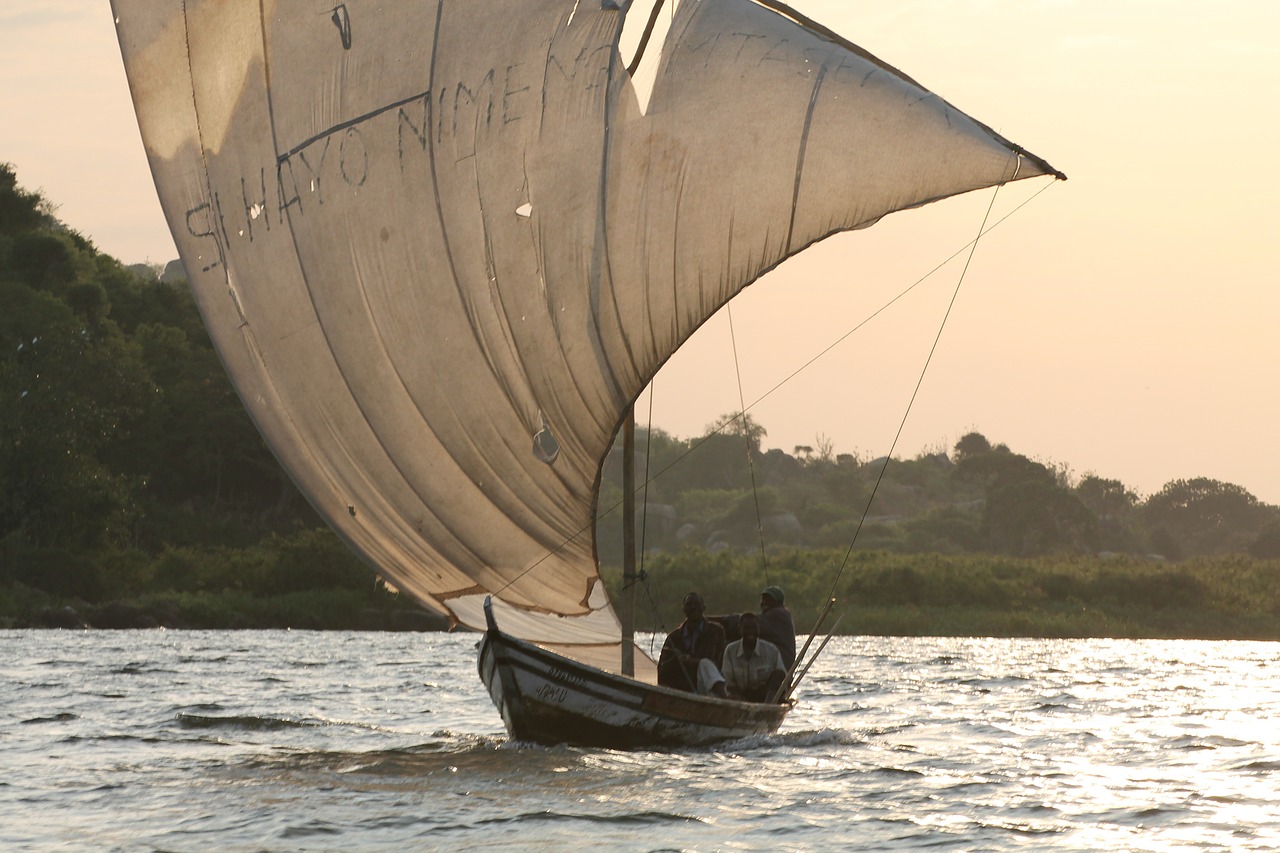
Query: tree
(971, 444)
(999, 467)
(1106, 498)
(71, 391)
(20, 210)
(719, 459)
(1267, 545)
(1205, 516)
(1027, 509)
(1113, 505)
(740, 424)
(1034, 517)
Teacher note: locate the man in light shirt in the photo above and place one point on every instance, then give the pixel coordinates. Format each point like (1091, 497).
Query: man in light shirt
(752, 667)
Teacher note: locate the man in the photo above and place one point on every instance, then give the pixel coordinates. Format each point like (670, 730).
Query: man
(692, 651)
(776, 624)
(752, 667)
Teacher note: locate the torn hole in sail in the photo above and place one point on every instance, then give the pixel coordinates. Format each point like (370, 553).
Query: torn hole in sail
(545, 446)
(644, 31)
(525, 210)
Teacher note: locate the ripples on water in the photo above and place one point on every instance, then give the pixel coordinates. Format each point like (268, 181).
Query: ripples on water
(292, 741)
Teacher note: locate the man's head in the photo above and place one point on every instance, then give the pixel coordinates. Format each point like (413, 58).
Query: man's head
(771, 596)
(694, 606)
(749, 628)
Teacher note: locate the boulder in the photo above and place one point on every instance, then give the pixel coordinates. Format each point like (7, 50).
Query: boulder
(65, 617)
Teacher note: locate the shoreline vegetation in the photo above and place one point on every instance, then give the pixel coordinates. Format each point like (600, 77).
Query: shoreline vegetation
(879, 593)
(916, 595)
(135, 492)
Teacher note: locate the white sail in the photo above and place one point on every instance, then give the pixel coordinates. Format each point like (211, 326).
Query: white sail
(440, 248)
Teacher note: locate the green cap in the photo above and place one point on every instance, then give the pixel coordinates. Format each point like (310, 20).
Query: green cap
(774, 592)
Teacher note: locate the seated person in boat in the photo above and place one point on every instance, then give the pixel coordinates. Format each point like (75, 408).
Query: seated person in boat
(752, 666)
(776, 624)
(691, 652)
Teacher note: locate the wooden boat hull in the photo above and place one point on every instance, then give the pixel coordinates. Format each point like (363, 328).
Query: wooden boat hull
(551, 699)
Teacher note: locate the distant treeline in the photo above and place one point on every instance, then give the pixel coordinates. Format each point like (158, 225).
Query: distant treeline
(878, 592)
(979, 499)
(135, 490)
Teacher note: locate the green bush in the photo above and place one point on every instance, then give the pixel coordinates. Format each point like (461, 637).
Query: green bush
(310, 560)
(62, 573)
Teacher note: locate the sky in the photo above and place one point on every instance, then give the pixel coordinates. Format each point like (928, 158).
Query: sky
(1125, 323)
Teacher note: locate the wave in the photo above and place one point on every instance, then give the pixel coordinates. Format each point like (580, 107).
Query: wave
(1191, 743)
(648, 818)
(245, 721)
(56, 718)
(108, 738)
(139, 668)
(210, 715)
(889, 770)
(804, 739)
(451, 752)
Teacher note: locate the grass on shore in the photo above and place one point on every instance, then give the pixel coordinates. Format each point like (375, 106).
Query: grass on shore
(882, 593)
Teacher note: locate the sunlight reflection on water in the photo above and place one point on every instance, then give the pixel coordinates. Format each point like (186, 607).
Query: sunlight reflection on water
(332, 741)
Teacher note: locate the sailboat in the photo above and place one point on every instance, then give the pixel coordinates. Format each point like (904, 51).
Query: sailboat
(442, 246)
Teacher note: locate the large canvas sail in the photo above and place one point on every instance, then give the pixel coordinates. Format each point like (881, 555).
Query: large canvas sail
(441, 248)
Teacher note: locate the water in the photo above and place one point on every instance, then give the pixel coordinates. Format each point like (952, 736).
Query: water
(302, 741)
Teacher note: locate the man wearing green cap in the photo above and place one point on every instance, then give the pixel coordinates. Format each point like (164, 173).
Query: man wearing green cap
(776, 624)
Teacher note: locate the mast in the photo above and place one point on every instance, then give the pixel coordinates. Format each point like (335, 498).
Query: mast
(627, 616)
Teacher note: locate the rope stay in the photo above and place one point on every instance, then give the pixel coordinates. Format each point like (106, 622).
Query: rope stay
(955, 293)
(746, 437)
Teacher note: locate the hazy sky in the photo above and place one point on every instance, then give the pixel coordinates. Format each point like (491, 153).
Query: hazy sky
(1125, 323)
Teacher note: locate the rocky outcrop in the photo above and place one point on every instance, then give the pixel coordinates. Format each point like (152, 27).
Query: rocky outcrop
(64, 617)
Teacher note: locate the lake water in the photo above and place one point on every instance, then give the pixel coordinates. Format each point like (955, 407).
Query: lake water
(300, 741)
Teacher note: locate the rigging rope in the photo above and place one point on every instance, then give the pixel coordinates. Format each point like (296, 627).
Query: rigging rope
(972, 244)
(746, 435)
(973, 247)
(648, 455)
(644, 39)
(641, 576)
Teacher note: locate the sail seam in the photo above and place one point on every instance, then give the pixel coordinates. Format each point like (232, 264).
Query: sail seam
(220, 234)
(463, 302)
(800, 155)
(602, 261)
(391, 566)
